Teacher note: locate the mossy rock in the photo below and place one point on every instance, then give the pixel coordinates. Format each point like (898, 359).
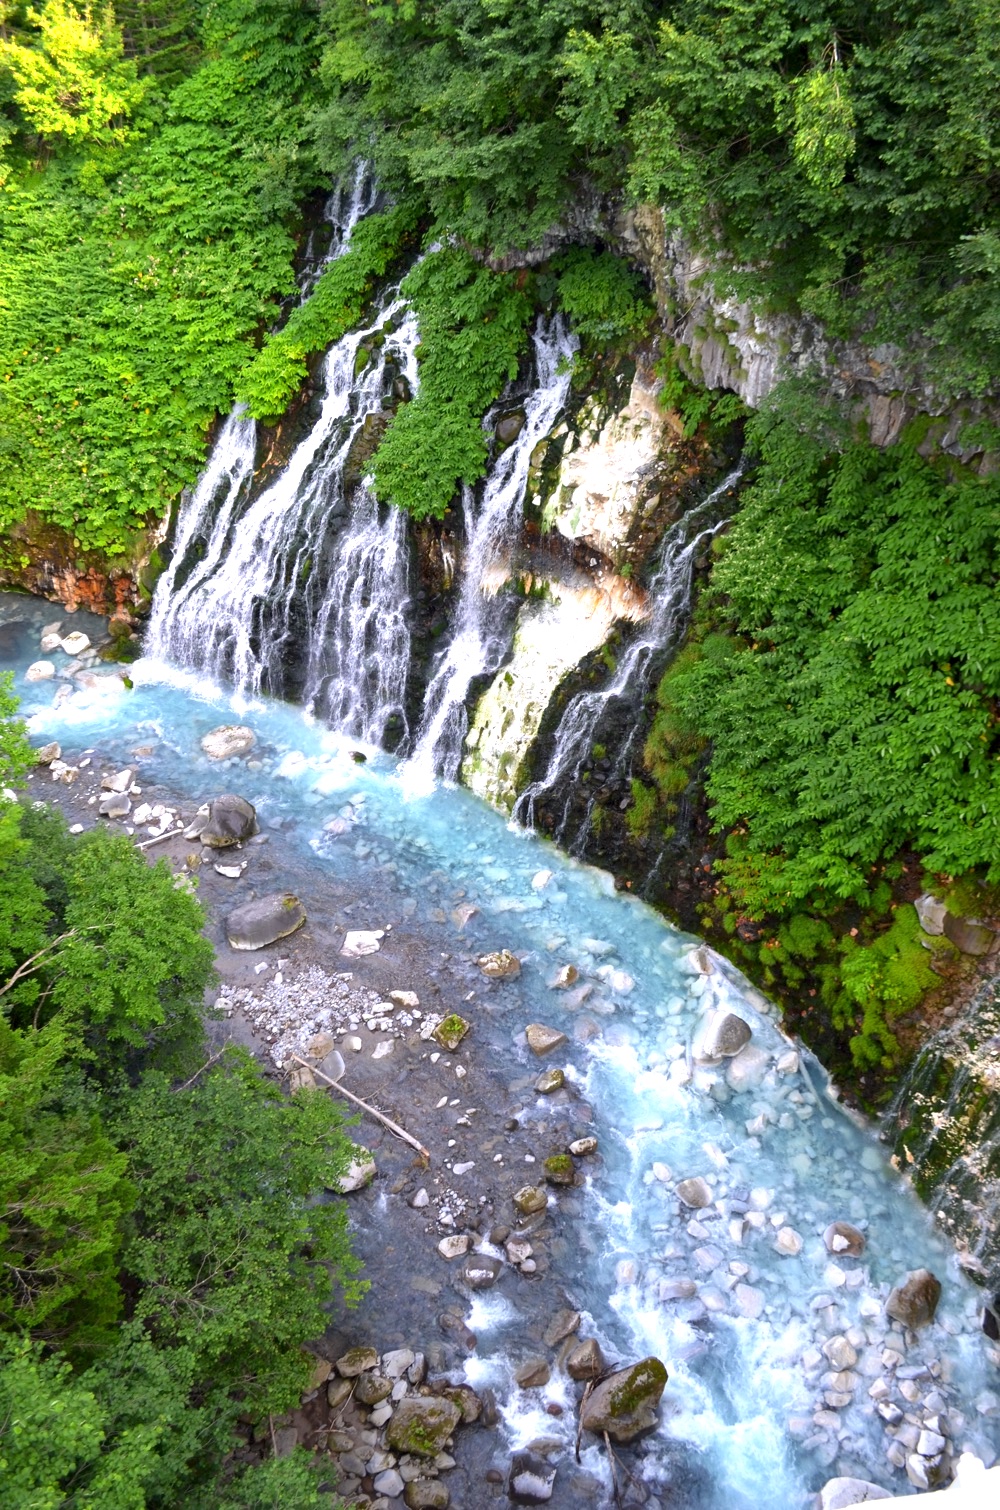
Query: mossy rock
(451, 1031)
(422, 1424)
(625, 1405)
(560, 1169)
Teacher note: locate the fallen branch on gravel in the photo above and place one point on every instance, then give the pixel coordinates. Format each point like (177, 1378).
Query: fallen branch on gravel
(393, 1127)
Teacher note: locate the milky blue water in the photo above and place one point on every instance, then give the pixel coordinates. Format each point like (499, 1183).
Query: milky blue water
(744, 1412)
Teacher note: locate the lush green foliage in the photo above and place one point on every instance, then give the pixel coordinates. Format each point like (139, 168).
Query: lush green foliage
(847, 152)
(134, 277)
(335, 305)
(163, 1254)
(472, 329)
(860, 713)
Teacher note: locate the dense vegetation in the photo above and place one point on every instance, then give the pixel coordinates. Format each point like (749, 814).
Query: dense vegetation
(154, 158)
(843, 675)
(162, 1257)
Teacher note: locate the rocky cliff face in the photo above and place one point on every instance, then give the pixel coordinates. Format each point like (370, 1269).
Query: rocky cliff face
(731, 344)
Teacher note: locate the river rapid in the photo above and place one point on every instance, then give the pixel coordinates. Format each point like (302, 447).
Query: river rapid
(739, 1297)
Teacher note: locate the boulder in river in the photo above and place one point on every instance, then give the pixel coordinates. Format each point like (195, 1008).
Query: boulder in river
(231, 820)
(40, 671)
(550, 1081)
(76, 643)
(565, 976)
(560, 1169)
(359, 1172)
(720, 1036)
(694, 1192)
(480, 1271)
(257, 924)
(228, 740)
(48, 753)
(969, 934)
(530, 1199)
(839, 1493)
(915, 1301)
(530, 1480)
(115, 805)
(499, 964)
(356, 1361)
(450, 1032)
(422, 1424)
(625, 1404)
(586, 1361)
(543, 1039)
(844, 1240)
(426, 1494)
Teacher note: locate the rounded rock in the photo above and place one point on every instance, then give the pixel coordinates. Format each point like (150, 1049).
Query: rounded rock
(264, 921)
(228, 740)
(530, 1199)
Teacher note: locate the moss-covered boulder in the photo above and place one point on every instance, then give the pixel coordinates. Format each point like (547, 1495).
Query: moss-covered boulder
(451, 1031)
(560, 1169)
(422, 1424)
(625, 1404)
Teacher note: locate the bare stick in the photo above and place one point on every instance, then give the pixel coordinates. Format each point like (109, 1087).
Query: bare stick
(393, 1127)
(614, 1476)
(579, 1429)
(203, 1068)
(171, 833)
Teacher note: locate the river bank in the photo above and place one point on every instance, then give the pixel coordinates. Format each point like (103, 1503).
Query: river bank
(738, 1297)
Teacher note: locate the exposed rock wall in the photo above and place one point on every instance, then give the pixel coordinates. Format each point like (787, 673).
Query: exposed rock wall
(732, 344)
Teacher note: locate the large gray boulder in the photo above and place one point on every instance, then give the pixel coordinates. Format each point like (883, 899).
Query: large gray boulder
(422, 1424)
(625, 1404)
(720, 1036)
(231, 820)
(257, 924)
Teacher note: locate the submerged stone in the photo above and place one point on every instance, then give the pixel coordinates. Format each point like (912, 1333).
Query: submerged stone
(625, 1405)
(531, 1479)
(264, 921)
(915, 1301)
(227, 741)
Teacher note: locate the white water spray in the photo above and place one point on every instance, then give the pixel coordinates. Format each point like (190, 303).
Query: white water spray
(669, 597)
(480, 637)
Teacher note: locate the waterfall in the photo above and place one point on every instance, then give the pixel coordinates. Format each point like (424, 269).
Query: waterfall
(480, 634)
(669, 596)
(303, 590)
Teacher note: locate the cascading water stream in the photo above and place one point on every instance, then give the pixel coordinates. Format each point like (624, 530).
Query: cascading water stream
(669, 597)
(480, 636)
(305, 588)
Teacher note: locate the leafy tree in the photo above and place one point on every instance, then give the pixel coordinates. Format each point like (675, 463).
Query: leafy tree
(75, 84)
